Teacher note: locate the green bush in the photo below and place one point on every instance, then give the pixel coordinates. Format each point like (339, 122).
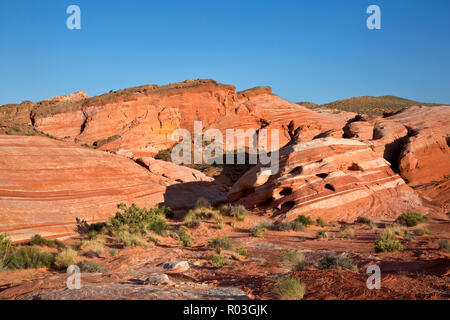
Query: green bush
(5, 251)
(66, 258)
(391, 231)
(336, 261)
(128, 239)
(388, 245)
(306, 221)
(91, 267)
(347, 232)
(365, 220)
(286, 226)
(140, 220)
(113, 252)
(29, 258)
(195, 216)
(320, 222)
(444, 245)
(203, 203)
(421, 231)
(322, 234)
(288, 288)
(39, 241)
(239, 212)
(258, 232)
(294, 259)
(219, 260)
(220, 243)
(242, 251)
(411, 219)
(185, 238)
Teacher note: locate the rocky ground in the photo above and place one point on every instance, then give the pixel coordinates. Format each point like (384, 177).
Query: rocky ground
(421, 271)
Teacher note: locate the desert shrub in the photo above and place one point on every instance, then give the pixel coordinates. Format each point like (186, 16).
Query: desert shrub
(92, 235)
(259, 260)
(128, 239)
(320, 222)
(166, 212)
(289, 288)
(420, 231)
(39, 241)
(195, 216)
(391, 231)
(258, 232)
(185, 238)
(30, 257)
(92, 267)
(220, 243)
(444, 245)
(83, 227)
(306, 221)
(5, 251)
(66, 258)
(365, 220)
(411, 219)
(218, 220)
(388, 245)
(293, 258)
(336, 261)
(347, 232)
(97, 249)
(322, 234)
(219, 260)
(242, 251)
(286, 226)
(203, 203)
(140, 220)
(113, 252)
(239, 212)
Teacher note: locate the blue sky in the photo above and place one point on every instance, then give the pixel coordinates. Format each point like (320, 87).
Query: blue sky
(316, 51)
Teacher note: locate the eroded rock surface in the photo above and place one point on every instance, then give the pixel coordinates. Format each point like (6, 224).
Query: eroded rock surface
(118, 291)
(142, 119)
(45, 184)
(329, 178)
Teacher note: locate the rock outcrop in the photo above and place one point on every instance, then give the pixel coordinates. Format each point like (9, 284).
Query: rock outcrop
(45, 184)
(336, 179)
(142, 119)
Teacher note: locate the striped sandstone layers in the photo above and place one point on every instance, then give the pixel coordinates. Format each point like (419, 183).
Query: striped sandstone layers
(336, 179)
(45, 184)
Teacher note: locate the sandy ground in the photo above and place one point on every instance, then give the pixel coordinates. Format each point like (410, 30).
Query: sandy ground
(421, 271)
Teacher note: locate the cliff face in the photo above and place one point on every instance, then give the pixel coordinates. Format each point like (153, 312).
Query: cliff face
(142, 119)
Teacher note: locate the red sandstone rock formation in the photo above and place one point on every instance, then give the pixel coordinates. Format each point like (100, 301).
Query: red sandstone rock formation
(336, 179)
(76, 96)
(45, 184)
(142, 119)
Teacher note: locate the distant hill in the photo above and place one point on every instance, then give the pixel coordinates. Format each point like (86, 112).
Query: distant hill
(371, 105)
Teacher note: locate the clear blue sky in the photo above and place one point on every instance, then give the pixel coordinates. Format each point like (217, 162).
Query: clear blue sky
(316, 51)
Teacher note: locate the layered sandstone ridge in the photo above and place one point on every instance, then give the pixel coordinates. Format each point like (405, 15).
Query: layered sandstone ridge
(142, 119)
(336, 179)
(415, 140)
(45, 184)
